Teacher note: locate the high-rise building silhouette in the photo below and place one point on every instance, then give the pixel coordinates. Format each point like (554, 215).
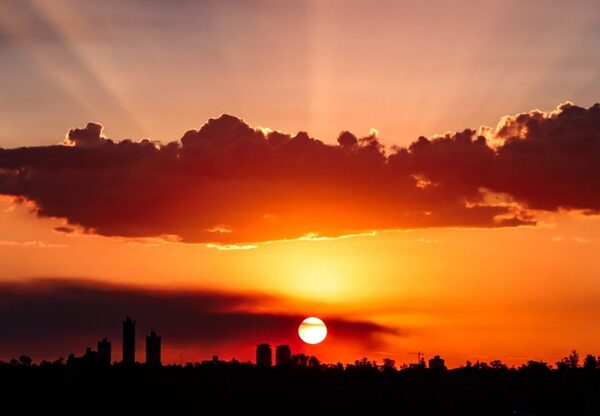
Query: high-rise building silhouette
(283, 355)
(437, 363)
(153, 350)
(128, 341)
(104, 351)
(263, 355)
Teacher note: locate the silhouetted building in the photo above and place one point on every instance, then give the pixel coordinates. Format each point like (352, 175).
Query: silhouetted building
(437, 363)
(263, 355)
(153, 349)
(283, 355)
(215, 361)
(91, 358)
(104, 351)
(128, 341)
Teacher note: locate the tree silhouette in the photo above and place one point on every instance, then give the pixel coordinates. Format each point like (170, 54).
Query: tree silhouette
(590, 362)
(475, 389)
(389, 365)
(314, 362)
(299, 360)
(498, 365)
(364, 363)
(570, 362)
(537, 366)
(25, 360)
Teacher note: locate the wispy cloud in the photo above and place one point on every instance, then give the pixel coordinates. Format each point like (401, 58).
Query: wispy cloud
(231, 247)
(428, 241)
(575, 239)
(32, 243)
(307, 237)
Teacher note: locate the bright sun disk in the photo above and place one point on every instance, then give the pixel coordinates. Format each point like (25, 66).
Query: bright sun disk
(312, 330)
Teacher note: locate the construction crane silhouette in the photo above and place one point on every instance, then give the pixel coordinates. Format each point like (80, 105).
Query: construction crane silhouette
(420, 356)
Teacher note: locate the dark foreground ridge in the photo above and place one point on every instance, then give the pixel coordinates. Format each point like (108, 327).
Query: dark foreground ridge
(533, 389)
(297, 382)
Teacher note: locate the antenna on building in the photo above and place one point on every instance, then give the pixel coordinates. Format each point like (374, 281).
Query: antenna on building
(420, 356)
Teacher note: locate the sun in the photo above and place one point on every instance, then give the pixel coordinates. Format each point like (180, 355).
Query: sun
(312, 330)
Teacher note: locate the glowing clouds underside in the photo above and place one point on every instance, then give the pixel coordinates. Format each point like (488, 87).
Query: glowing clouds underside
(228, 183)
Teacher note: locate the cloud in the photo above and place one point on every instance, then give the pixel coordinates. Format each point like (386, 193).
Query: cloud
(549, 161)
(52, 317)
(575, 239)
(64, 230)
(231, 247)
(31, 243)
(89, 136)
(230, 184)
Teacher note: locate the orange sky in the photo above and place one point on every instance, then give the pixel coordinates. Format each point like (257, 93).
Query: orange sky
(511, 294)
(458, 282)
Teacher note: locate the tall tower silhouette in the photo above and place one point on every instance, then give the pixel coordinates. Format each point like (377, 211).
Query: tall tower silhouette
(263, 355)
(104, 351)
(128, 341)
(283, 355)
(153, 350)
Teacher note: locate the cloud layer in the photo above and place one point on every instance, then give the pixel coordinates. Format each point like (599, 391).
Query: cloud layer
(229, 183)
(48, 318)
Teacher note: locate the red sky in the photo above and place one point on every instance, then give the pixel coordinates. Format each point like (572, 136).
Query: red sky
(220, 171)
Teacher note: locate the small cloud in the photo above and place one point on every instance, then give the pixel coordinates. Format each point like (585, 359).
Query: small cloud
(421, 181)
(10, 201)
(428, 241)
(317, 237)
(138, 243)
(89, 136)
(264, 130)
(64, 230)
(152, 241)
(220, 229)
(307, 237)
(576, 239)
(582, 240)
(32, 243)
(231, 247)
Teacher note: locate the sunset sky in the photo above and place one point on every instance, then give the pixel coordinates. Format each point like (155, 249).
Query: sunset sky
(423, 176)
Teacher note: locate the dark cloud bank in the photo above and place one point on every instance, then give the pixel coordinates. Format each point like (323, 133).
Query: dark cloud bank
(230, 183)
(53, 317)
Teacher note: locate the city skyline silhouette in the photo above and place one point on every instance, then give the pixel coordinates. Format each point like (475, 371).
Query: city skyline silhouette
(282, 356)
(303, 381)
(307, 206)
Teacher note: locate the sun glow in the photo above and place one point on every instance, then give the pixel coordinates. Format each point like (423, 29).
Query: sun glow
(312, 330)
